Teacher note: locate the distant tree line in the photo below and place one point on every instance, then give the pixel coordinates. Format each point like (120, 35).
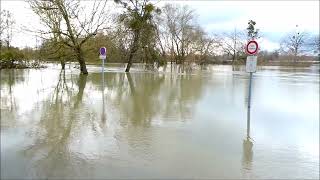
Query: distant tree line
(140, 33)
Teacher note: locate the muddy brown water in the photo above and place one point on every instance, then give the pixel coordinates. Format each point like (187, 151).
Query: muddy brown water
(163, 125)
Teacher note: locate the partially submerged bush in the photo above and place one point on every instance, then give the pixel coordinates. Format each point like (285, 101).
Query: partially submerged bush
(12, 58)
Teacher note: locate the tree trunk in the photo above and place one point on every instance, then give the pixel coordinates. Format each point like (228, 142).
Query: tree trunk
(81, 85)
(132, 89)
(63, 65)
(8, 45)
(129, 61)
(233, 57)
(82, 63)
(295, 55)
(12, 63)
(133, 50)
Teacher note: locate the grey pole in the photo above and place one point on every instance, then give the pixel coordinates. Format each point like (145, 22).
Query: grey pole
(102, 71)
(103, 112)
(249, 106)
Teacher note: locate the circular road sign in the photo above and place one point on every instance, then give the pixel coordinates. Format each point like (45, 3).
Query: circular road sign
(252, 47)
(103, 51)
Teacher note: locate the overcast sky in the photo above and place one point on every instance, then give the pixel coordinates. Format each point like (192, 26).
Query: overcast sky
(274, 18)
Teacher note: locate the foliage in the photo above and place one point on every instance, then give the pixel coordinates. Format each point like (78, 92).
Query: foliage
(13, 54)
(52, 50)
(138, 20)
(252, 32)
(11, 58)
(115, 52)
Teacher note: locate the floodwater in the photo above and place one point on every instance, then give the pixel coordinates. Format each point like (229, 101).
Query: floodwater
(159, 124)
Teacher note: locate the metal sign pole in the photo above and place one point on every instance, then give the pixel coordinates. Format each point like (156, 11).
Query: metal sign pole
(102, 71)
(249, 106)
(250, 84)
(103, 113)
(251, 66)
(102, 67)
(103, 57)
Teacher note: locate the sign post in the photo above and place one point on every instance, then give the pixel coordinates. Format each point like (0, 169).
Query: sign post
(103, 57)
(251, 67)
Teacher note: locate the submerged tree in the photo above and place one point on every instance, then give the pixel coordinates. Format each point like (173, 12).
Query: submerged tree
(68, 22)
(179, 24)
(294, 43)
(232, 44)
(138, 19)
(203, 46)
(53, 49)
(180, 38)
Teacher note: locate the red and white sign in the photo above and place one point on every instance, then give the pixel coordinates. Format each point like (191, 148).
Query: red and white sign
(252, 47)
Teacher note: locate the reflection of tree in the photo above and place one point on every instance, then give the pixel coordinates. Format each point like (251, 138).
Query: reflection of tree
(9, 80)
(142, 100)
(140, 97)
(184, 92)
(103, 114)
(247, 148)
(58, 118)
(132, 89)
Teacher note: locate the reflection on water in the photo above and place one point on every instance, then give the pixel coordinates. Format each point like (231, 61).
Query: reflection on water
(247, 143)
(58, 124)
(103, 115)
(247, 158)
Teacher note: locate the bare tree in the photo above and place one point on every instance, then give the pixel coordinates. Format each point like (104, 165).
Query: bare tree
(232, 43)
(313, 44)
(160, 35)
(6, 27)
(203, 46)
(179, 22)
(180, 38)
(294, 43)
(71, 23)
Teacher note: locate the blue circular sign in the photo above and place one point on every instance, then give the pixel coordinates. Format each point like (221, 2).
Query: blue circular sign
(103, 51)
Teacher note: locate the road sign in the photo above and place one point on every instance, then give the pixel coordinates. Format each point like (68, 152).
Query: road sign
(252, 47)
(251, 64)
(103, 53)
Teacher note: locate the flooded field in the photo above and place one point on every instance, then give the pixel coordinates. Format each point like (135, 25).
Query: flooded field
(159, 124)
